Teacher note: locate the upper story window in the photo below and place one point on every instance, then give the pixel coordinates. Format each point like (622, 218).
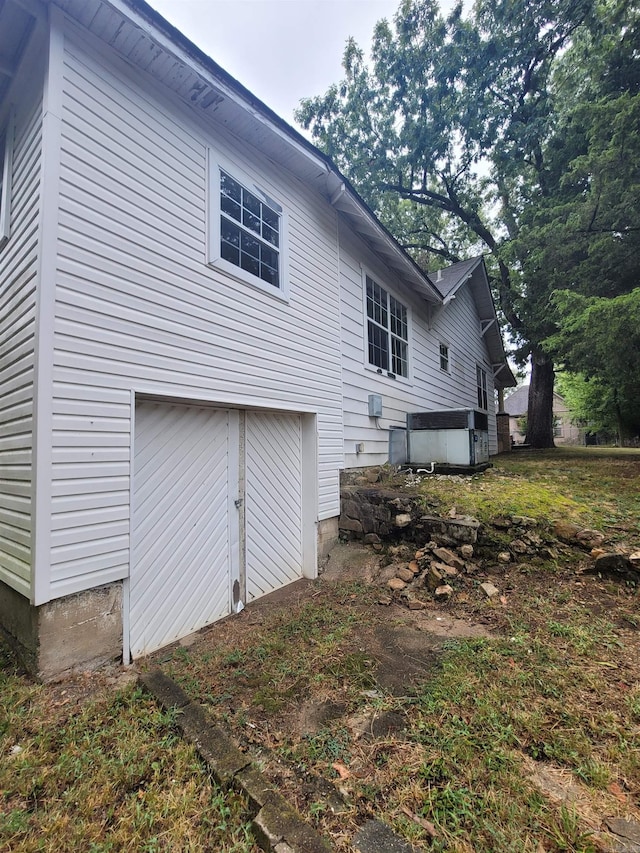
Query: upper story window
(481, 381)
(444, 357)
(387, 331)
(6, 168)
(247, 231)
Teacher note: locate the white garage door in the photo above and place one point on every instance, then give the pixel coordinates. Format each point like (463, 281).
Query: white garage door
(273, 515)
(199, 473)
(180, 532)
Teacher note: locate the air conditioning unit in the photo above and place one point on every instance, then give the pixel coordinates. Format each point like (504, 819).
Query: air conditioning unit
(450, 437)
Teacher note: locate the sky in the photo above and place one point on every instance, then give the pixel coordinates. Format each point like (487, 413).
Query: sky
(281, 50)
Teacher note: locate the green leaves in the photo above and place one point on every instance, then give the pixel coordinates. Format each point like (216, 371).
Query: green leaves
(514, 129)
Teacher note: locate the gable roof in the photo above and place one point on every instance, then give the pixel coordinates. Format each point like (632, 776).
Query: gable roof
(450, 279)
(473, 273)
(517, 403)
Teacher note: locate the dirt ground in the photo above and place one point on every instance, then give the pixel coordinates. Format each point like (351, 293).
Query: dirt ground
(399, 649)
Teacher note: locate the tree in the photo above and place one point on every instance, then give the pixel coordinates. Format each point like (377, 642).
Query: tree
(589, 402)
(600, 337)
(463, 118)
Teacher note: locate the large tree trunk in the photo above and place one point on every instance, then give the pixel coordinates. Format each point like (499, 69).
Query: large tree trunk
(540, 412)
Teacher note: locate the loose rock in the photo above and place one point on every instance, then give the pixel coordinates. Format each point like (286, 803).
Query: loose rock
(565, 530)
(403, 519)
(523, 521)
(405, 575)
(489, 589)
(615, 565)
(444, 555)
(443, 593)
(466, 551)
(504, 557)
(433, 578)
(590, 538)
(396, 584)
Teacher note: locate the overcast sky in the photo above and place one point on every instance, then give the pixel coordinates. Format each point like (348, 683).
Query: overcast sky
(281, 50)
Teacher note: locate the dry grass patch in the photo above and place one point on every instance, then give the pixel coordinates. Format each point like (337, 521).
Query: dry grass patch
(89, 766)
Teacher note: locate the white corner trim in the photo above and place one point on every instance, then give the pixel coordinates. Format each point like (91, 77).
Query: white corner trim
(41, 485)
(7, 177)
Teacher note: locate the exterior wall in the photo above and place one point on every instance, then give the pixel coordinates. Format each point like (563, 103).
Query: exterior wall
(18, 288)
(328, 534)
(83, 630)
(139, 311)
(428, 387)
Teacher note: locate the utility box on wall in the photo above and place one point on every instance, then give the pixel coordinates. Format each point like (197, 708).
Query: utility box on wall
(455, 437)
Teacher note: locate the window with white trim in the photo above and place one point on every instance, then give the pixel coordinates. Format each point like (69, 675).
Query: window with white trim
(444, 357)
(6, 168)
(481, 381)
(249, 231)
(387, 331)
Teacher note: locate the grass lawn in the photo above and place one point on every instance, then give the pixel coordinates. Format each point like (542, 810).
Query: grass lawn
(521, 734)
(524, 739)
(90, 766)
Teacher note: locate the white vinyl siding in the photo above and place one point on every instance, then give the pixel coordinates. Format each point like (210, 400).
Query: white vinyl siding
(18, 274)
(139, 310)
(429, 387)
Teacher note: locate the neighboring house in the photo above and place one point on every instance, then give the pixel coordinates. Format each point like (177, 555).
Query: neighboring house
(564, 431)
(195, 307)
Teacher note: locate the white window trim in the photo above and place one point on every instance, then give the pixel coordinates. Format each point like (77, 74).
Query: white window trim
(7, 174)
(446, 369)
(215, 164)
(378, 371)
(485, 389)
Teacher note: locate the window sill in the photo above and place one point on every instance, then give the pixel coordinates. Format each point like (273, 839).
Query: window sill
(389, 377)
(243, 277)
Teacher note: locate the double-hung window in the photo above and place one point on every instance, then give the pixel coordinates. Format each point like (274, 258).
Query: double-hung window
(444, 357)
(6, 168)
(248, 232)
(387, 331)
(481, 381)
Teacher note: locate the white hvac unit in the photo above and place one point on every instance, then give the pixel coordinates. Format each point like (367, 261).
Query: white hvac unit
(452, 437)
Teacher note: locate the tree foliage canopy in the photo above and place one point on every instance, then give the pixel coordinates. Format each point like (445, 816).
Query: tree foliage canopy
(514, 129)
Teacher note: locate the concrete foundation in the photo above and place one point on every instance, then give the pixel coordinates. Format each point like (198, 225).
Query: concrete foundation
(81, 631)
(328, 534)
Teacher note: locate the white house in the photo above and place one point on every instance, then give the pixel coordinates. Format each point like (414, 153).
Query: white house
(195, 306)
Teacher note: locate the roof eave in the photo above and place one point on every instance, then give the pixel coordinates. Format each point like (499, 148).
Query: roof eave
(349, 203)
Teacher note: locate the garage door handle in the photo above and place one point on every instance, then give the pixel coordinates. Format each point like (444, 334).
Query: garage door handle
(238, 503)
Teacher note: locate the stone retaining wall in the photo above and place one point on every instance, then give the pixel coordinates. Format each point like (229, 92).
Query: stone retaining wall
(376, 514)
